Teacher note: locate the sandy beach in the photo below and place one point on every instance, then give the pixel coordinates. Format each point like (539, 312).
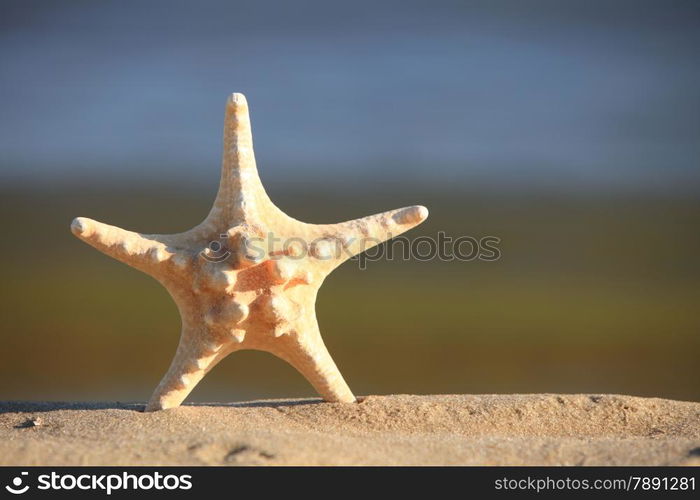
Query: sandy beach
(540, 429)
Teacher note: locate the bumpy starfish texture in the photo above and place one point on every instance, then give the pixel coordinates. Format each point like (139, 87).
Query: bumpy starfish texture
(247, 276)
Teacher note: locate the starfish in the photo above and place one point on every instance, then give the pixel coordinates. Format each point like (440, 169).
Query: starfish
(247, 276)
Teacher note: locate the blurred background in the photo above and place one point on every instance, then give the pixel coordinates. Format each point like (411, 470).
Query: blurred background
(568, 129)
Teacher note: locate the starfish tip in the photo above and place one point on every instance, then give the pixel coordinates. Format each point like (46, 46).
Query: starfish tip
(238, 99)
(78, 226)
(422, 212)
(411, 215)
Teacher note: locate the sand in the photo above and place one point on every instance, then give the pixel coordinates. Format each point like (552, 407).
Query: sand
(540, 429)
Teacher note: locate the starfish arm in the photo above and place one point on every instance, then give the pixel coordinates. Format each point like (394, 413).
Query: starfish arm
(308, 355)
(193, 360)
(151, 254)
(241, 195)
(359, 235)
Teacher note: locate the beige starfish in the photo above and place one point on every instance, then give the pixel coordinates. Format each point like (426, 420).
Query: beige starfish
(248, 275)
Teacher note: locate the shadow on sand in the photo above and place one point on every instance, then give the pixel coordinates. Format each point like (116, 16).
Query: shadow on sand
(46, 406)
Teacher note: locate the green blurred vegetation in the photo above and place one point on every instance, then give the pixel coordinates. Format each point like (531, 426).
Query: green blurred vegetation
(592, 294)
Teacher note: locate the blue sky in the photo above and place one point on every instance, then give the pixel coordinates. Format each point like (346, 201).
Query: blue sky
(571, 95)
